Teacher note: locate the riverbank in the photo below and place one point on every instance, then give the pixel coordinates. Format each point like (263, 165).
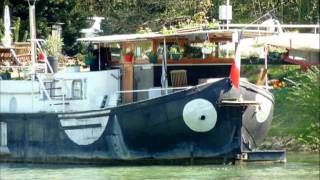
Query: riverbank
(295, 125)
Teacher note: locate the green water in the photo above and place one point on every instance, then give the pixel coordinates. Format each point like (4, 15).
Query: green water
(299, 166)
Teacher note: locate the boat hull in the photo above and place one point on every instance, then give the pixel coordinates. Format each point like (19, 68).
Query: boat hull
(189, 124)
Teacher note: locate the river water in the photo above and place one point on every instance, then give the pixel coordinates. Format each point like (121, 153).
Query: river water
(299, 166)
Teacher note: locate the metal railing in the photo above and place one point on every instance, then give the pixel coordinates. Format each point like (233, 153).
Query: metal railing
(43, 88)
(315, 27)
(137, 95)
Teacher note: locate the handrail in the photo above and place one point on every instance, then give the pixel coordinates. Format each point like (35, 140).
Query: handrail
(160, 89)
(259, 26)
(45, 91)
(281, 25)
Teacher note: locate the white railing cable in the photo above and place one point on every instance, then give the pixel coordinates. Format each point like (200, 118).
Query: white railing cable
(147, 90)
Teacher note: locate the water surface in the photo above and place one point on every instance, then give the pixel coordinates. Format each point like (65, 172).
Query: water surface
(299, 166)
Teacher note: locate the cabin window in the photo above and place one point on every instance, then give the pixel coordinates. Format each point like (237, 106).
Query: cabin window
(115, 50)
(77, 89)
(142, 49)
(51, 90)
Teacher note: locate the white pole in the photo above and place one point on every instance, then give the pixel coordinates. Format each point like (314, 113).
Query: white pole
(99, 58)
(227, 14)
(266, 65)
(164, 80)
(33, 37)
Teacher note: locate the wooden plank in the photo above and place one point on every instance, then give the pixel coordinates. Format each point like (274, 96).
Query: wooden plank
(210, 60)
(262, 76)
(154, 46)
(127, 82)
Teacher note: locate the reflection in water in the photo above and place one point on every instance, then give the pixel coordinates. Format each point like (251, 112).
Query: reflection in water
(299, 166)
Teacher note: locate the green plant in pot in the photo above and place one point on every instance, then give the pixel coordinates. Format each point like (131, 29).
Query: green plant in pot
(5, 75)
(276, 53)
(88, 59)
(53, 47)
(208, 47)
(175, 53)
(153, 57)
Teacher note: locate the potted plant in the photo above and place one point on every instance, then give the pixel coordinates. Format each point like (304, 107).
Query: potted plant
(153, 57)
(128, 57)
(175, 53)
(276, 54)
(5, 75)
(53, 47)
(73, 64)
(88, 59)
(207, 47)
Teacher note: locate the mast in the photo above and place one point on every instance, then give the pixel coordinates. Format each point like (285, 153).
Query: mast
(33, 37)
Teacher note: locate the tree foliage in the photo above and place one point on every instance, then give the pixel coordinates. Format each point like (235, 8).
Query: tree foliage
(297, 107)
(125, 16)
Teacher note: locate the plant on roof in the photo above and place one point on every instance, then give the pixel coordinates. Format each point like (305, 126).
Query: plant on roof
(211, 25)
(171, 30)
(189, 24)
(53, 45)
(144, 30)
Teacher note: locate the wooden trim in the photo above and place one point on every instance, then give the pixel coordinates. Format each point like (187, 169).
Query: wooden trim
(127, 82)
(210, 60)
(154, 46)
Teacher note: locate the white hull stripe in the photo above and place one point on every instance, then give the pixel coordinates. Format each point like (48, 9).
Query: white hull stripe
(84, 131)
(77, 122)
(84, 114)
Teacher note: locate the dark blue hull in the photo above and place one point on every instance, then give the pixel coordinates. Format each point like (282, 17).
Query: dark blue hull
(159, 129)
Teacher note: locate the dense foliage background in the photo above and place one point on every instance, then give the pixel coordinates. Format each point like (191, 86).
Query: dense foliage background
(123, 16)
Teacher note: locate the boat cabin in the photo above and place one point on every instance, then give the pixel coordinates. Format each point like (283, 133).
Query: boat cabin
(126, 68)
(155, 61)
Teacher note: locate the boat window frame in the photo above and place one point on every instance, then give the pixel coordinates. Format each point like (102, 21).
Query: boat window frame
(73, 86)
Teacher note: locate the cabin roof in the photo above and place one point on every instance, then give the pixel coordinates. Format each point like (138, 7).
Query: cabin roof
(226, 34)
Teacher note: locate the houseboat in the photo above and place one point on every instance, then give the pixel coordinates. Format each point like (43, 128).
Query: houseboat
(134, 109)
(145, 98)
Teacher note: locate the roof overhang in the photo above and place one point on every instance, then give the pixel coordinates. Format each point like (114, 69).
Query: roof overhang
(227, 34)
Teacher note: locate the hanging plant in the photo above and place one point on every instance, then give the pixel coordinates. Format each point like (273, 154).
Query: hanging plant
(208, 47)
(176, 52)
(153, 57)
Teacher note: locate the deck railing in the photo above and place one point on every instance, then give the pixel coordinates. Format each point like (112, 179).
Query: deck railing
(314, 27)
(144, 94)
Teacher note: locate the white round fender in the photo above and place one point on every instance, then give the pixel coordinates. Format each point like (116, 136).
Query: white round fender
(200, 115)
(263, 109)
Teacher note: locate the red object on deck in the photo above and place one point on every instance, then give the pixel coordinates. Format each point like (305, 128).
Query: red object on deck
(128, 57)
(235, 74)
(42, 57)
(235, 68)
